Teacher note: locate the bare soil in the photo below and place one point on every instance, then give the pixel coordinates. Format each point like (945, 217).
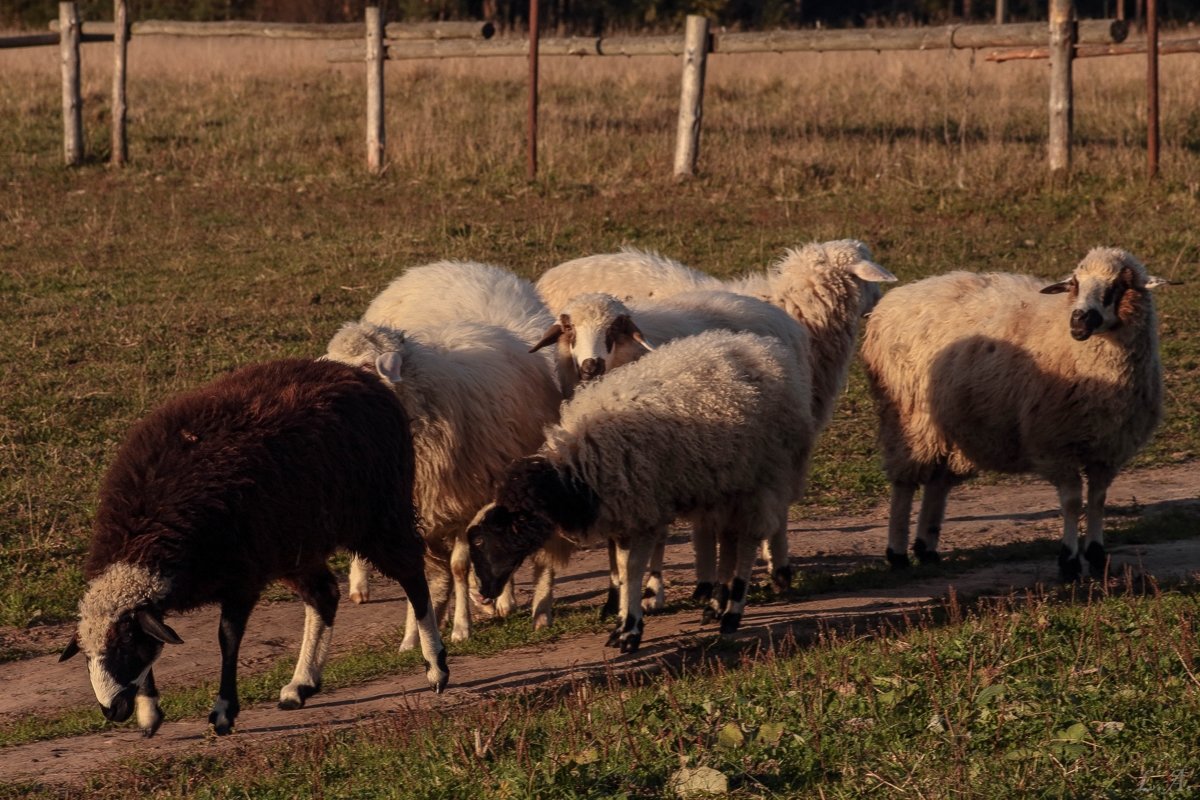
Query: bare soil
(978, 517)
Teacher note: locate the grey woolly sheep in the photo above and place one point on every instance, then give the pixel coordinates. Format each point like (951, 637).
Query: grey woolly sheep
(716, 424)
(999, 372)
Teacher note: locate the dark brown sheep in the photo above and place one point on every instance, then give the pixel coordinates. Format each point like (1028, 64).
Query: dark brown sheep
(259, 476)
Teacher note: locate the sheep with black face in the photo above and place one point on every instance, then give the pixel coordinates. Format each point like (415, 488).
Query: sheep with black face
(718, 424)
(258, 476)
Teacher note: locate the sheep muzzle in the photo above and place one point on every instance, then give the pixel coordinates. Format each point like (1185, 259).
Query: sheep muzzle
(1084, 323)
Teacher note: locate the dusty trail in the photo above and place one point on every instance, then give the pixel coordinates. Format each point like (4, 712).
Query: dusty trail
(978, 517)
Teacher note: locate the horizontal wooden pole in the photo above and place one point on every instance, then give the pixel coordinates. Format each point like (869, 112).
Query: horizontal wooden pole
(941, 38)
(41, 39)
(288, 30)
(961, 37)
(1166, 47)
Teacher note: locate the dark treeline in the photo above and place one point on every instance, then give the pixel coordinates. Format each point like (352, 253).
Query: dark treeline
(597, 16)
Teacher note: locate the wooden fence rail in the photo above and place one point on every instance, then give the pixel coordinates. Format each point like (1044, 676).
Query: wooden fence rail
(1067, 39)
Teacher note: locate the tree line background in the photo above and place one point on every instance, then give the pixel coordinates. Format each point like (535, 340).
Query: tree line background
(591, 17)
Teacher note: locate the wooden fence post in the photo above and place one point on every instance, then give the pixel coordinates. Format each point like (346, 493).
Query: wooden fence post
(120, 148)
(1062, 46)
(1152, 88)
(691, 96)
(376, 135)
(1001, 11)
(531, 166)
(68, 20)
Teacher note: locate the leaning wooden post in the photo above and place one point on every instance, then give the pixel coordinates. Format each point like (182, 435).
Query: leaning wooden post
(1152, 88)
(531, 165)
(691, 96)
(68, 26)
(120, 148)
(376, 136)
(1062, 46)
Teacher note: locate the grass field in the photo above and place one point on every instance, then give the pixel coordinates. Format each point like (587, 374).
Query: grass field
(245, 229)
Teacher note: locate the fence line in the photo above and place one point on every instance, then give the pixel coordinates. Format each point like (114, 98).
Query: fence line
(1068, 39)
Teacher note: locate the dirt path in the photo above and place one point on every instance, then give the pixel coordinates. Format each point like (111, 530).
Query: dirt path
(978, 517)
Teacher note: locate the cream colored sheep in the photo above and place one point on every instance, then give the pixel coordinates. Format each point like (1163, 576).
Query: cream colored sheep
(1002, 372)
(630, 274)
(476, 400)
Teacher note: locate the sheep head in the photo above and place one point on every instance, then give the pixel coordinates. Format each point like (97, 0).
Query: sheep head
(594, 333)
(370, 347)
(848, 256)
(121, 633)
(532, 503)
(1108, 290)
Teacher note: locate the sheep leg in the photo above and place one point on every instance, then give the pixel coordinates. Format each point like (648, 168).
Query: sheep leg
(726, 564)
(320, 595)
(898, 518)
(360, 576)
(234, 614)
(929, 518)
(506, 603)
(421, 617)
(149, 715)
(746, 549)
(704, 545)
(460, 571)
(779, 563)
(1070, 498)
(655, 596)
(1097, 558)
(612, 602)
(543, 591)
(633, 554)
(411, 636)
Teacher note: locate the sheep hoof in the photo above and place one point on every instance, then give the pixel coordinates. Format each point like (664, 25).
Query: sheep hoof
(653, 603)
(149, 715)
(781, 579)
(152, 728)
(614, 638)
(612, 603)
(406, 644)
(223, 714)
(703, 592)
(294, 697)
(730, 622)
(542, 620)
(1069, 568)
(462, 635)
(504, 606)
(1097, 560)
(898, 560)
(709, 614)
(631, 642)
(924, 553)
(358, 598)
(438, 677)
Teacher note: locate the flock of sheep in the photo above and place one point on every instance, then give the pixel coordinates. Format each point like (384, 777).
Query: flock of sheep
(471, 420)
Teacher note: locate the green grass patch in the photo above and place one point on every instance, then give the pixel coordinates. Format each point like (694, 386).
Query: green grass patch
(1046, 695)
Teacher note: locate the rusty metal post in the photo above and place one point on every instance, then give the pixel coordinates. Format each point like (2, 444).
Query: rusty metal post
(531, 168)
(1152, 88)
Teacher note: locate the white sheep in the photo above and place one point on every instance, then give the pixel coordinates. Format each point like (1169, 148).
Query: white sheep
(476, 400)
(828, 286)
(440, 292)
(630, 274)
(995, 372)
(446, 290)
(716, 424)
(596, 333)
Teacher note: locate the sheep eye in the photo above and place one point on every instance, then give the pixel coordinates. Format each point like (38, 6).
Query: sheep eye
(478, 542)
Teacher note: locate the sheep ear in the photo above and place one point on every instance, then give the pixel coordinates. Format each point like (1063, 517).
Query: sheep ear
(71, 649)
(552, 334)
(624, 326)
(389, 365)
(1058, 288)
(1153, 282)
(153, 625)
(871, 272)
